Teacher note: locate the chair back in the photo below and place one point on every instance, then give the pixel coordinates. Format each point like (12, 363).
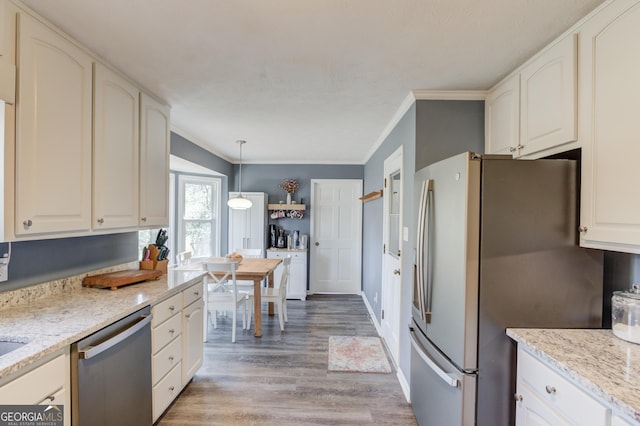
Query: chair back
(250, 253)
(220, 272)
(284, 278)
(183, 258)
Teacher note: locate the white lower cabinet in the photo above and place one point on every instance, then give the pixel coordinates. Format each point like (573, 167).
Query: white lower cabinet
(544, 397)
(297, 287)
(166, 343)
(177, 344)
(45, 383)
(192, 330)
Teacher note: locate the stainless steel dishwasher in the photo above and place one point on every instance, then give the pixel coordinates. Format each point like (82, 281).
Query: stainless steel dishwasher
(111, 374)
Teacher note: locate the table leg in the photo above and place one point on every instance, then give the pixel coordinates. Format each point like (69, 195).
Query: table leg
(270, 284)
(257, 314)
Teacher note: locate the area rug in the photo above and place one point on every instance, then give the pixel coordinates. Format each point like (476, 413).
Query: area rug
(357, 354)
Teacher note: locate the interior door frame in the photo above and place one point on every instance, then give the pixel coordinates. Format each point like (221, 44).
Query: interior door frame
(357, 240)
(397, 157)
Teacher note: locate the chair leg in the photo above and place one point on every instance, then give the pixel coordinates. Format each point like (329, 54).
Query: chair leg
(233, 327)
(280, 315)
(244, 315)
(250, 308)
(284, 309)
(214, 317)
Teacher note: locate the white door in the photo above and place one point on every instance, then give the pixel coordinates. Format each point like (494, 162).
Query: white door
(391, 257)
(336, 236)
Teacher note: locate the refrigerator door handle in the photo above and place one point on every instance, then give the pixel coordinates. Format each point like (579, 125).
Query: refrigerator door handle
(446, 377)
(427, 237)
(420, 251)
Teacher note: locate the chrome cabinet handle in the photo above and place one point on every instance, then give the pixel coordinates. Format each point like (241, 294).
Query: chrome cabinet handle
(551, 390)
(92, 351)
(518, 398)
(172, 308)
(396, 272)
(144, 219)
(171, 358)
(583, 229)
(512, 149)
(27, 223)
(172, 331)
(196, 293)
(171, 388)
(51, 398)
(101, 221)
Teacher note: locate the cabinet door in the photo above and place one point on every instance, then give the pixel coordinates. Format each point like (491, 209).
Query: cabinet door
(192, 349)
(502, 117)
(247, 227)
(532, 411)
(297, 288)
(115, 151)
(154, 163)
(53, 141)
(548, 102)
(609, 92)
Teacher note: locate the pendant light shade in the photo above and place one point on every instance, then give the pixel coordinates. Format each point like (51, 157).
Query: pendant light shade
(239, 202)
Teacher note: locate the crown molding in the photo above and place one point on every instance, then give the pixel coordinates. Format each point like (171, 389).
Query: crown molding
(196, 141)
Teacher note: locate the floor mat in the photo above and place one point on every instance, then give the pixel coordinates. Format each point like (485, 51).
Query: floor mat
(357, 354)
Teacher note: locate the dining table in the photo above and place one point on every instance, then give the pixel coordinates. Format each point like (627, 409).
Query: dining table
(249, 269)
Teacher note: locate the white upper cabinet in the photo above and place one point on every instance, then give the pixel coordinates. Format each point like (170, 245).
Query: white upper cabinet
(247, 228)
(115, 151)
(548, 101)
(533, 112)
(502, 117)
(53, 140)
(154, 163)
(609, 92)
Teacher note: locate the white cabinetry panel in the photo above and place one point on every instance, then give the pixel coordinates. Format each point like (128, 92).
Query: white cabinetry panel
(548, 104)
(53, 141)
(502, 117)
(297, 286)
(247, 228)
(154, 162)
(609, 93)
(115, 151)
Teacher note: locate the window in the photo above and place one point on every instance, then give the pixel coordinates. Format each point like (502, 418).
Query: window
(199, 215)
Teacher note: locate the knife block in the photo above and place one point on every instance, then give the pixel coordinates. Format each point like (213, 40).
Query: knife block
(158, 265)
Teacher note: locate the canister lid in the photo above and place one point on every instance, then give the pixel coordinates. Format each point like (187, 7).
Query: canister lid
(632, 293)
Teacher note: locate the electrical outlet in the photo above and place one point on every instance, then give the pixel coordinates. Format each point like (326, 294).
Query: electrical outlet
(4, 272)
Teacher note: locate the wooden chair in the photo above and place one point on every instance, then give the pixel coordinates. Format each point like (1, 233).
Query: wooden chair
(226, 298)
(278, 295)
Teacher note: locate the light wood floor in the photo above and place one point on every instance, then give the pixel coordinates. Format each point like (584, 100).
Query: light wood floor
(282, 378)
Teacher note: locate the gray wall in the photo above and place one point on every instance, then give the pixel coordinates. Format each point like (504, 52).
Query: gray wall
(447, 128)
(35, 262)
(429, 131)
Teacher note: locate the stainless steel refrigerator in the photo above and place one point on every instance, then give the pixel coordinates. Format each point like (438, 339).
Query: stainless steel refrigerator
(496, 248)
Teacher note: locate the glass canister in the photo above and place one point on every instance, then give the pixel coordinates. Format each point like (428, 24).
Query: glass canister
(625, 314)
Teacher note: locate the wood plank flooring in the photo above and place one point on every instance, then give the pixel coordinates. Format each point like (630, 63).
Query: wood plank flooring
(282, 378)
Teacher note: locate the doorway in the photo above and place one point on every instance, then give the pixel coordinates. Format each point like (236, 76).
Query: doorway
(335, 248)
(391, 258)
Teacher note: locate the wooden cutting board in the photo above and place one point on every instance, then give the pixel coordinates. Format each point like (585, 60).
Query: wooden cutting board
(113, 280)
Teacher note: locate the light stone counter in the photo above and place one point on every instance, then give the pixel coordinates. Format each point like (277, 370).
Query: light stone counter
(599, 362)
(54, 315)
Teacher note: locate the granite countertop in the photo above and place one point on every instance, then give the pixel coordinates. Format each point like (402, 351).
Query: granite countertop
(57, 320)
(599, 362)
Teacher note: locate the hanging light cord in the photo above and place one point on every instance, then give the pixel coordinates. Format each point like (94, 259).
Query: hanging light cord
(240, 180)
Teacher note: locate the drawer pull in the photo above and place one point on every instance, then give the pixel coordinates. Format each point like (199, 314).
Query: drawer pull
(172, 308)
(171, 358)
(51, 398)
(518, 397)
(551, 390)
(196, 293)
(171, 388)
(172, 331)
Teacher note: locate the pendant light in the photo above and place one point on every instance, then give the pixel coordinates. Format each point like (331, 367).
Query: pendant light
(239, 202)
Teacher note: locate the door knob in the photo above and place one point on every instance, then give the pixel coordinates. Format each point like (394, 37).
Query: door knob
(317, 244)
(396, 272)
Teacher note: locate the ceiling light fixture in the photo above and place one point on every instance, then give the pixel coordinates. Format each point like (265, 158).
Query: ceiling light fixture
(239, 202)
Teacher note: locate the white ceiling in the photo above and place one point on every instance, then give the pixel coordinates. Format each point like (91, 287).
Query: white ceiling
(307, 81)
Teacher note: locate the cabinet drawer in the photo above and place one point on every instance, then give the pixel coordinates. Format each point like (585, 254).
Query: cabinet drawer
(192, 294)
(167, 358)
(166, 332)
(559, 393)
(38, 384)
(166, 309)
(166, 391)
